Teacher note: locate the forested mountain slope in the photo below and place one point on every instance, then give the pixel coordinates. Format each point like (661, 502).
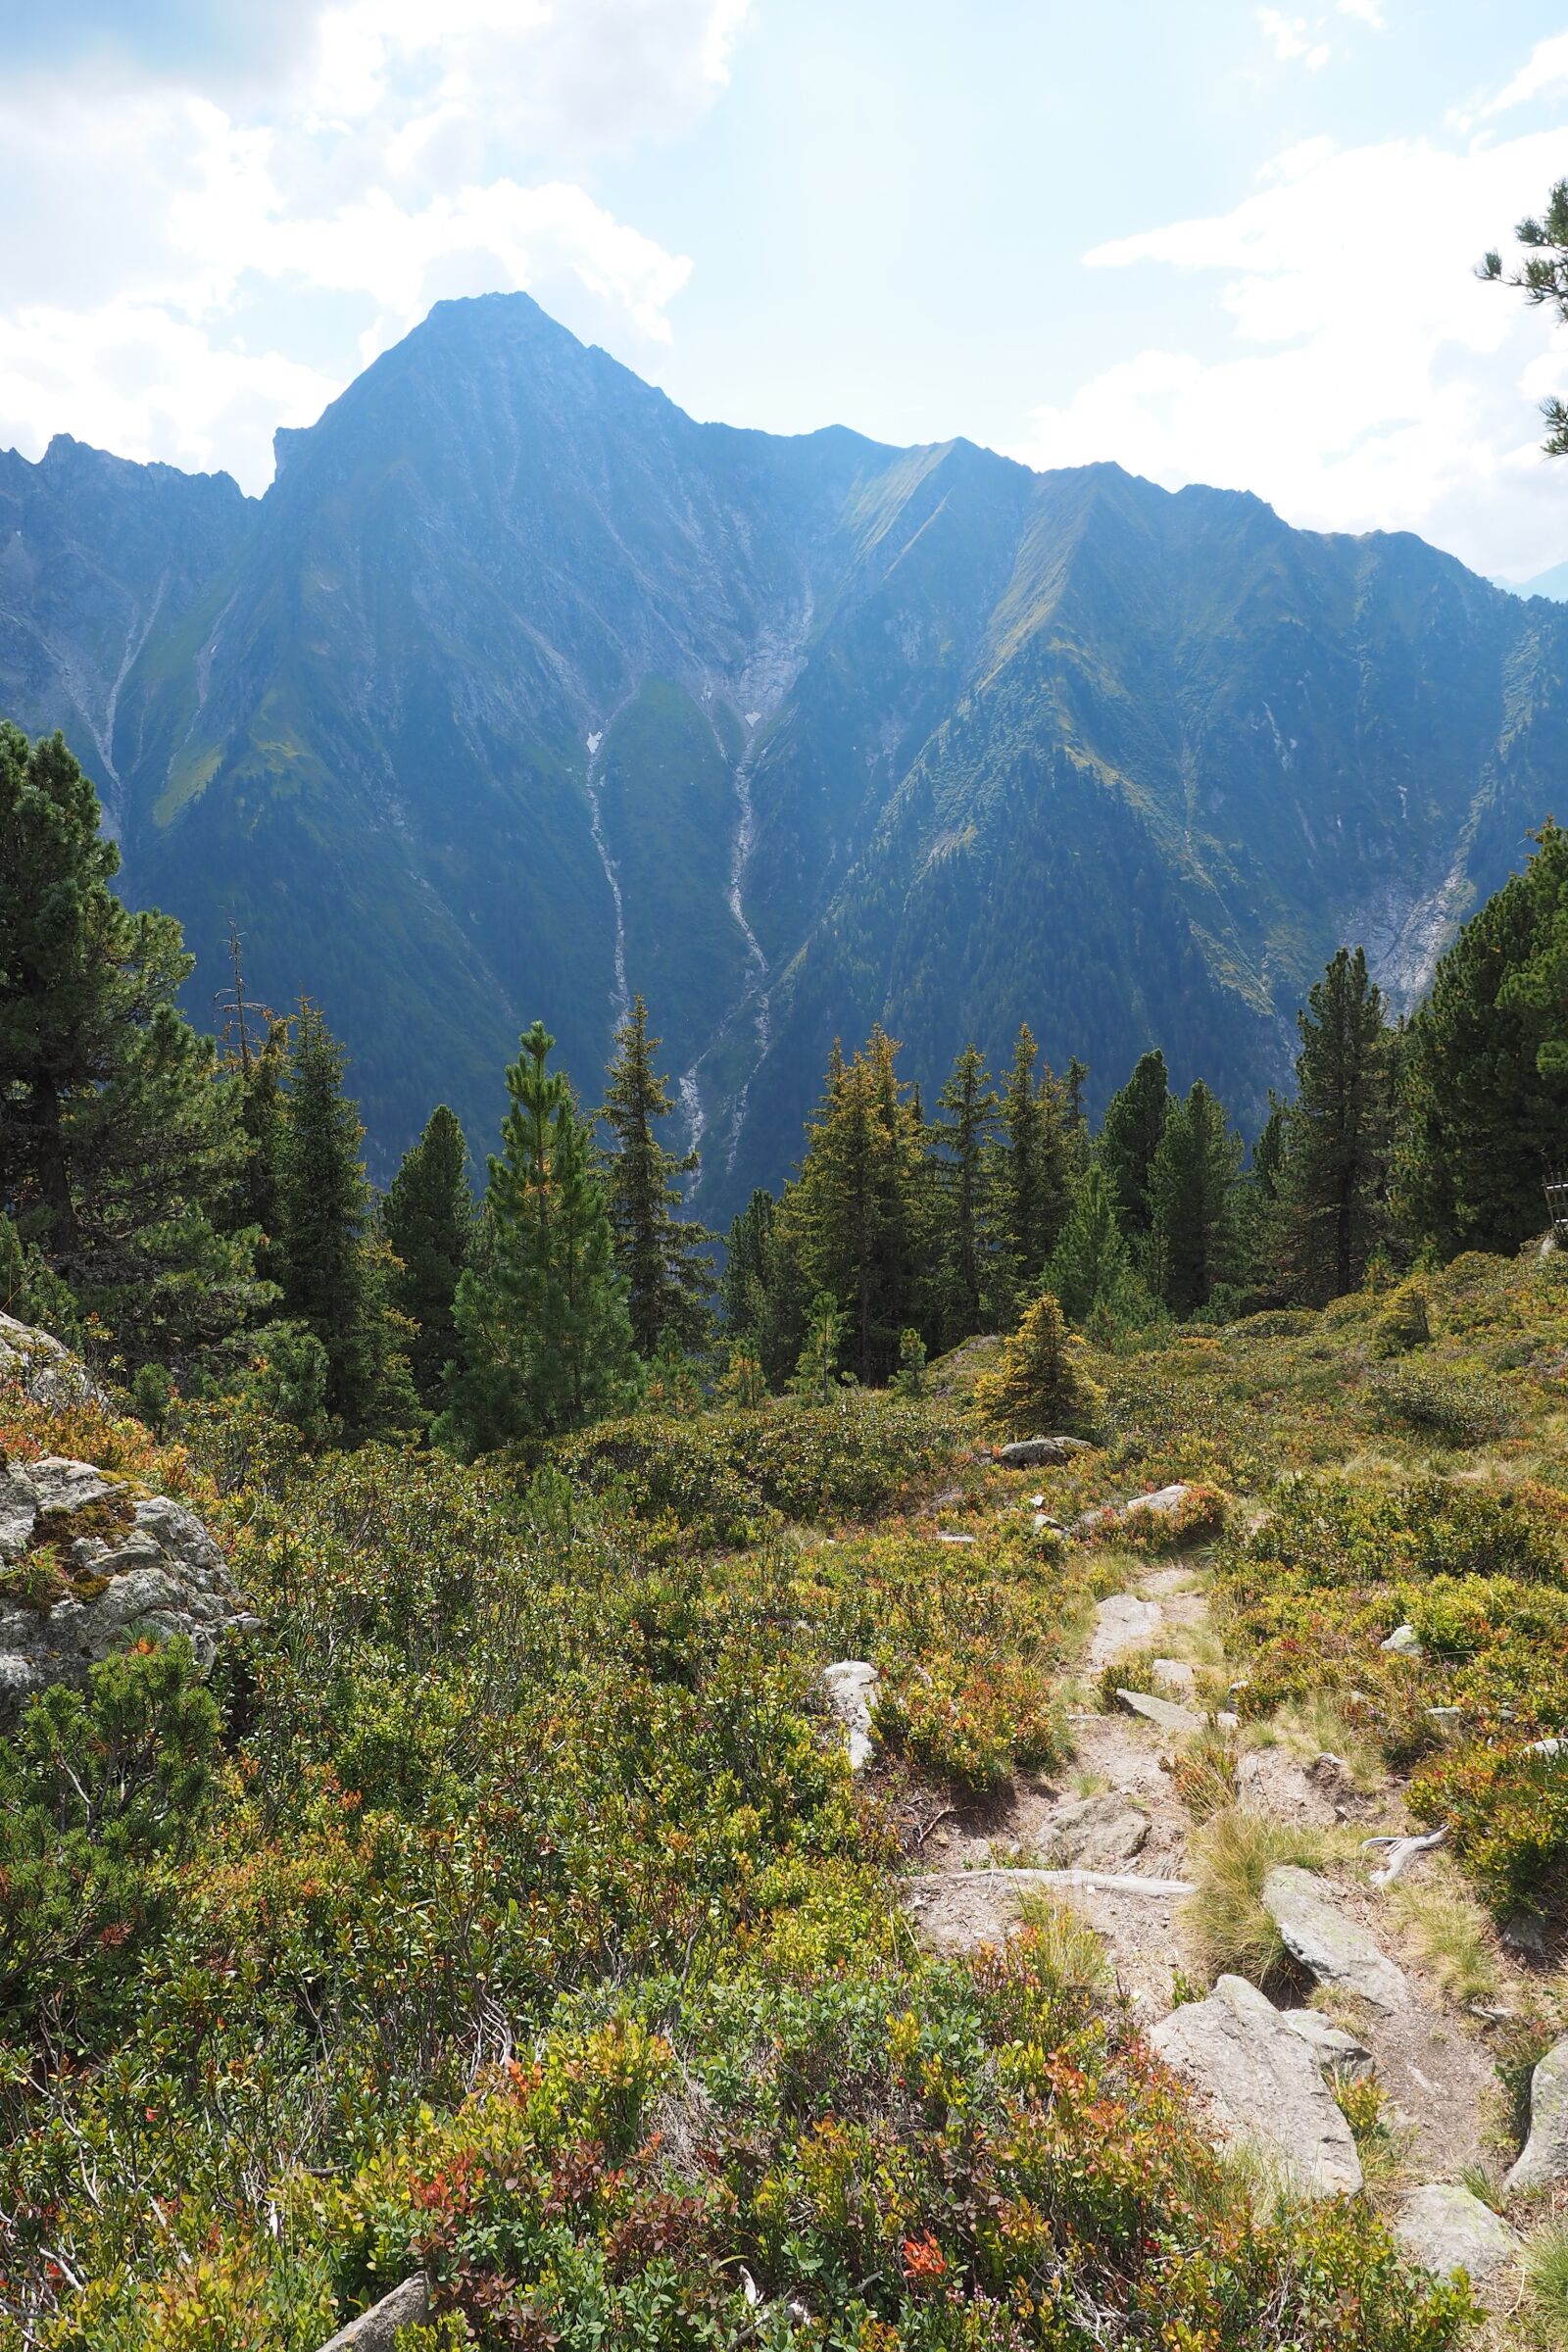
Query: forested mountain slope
(521, 691)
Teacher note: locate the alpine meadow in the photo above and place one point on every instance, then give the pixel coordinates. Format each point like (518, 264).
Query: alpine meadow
(783, 1234)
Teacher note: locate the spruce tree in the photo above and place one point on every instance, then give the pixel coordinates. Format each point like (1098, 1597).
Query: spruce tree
(966, 1184)
(1032, 1179)
(428, 1218)
(119, 1141)
(1091, 1269)
(1485, 1080)
(335, 1274)
(546, 1339)
(1036, 1388)
(1128, 1141)
(1332, 1184)
(764, 1294)
(1192, 1192)
(662, 1258)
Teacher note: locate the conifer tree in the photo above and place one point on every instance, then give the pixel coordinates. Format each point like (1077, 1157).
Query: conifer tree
(1032, 1176)
(961, 1143)
(852, 1217)
(120, 1142)
(1484, 1082)
(1192, 1195)
(1129, 1139)
(1333, 1183)
(264, 1118)
(546, 1339)
(428, 1218)
(335, 1275)
(662, 1258)
(1091, 1269)
(764, 1294)
(1036, 1388)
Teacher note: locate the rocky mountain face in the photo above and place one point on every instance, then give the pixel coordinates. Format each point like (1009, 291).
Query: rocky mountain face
(521, 691)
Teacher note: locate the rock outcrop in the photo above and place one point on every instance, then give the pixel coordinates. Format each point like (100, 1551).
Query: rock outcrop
(1543, 2159)
(1264, 2083)
(89, 1564)
(49, 1373)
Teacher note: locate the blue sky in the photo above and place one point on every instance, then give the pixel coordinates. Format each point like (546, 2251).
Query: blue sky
(1217, 241)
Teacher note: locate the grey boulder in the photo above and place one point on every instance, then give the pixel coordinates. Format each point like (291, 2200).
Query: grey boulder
(1039, 1453)
(1264, 2085)
(158, 1575)
(1335, 1949)
(1447, 2230)
(851, 1687)
(1096, 1833)
(1544, 2160)
(375, 2329)
(48, 1372)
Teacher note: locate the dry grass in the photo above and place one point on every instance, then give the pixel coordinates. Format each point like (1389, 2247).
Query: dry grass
(1453, 1936)
(1229, 1931)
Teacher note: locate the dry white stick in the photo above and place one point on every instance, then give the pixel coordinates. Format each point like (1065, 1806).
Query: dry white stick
(1401, 1853)
(1101, 1882)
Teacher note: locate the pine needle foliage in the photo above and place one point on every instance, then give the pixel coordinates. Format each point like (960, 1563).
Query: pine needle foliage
(1036, 1388)
(662, 1257)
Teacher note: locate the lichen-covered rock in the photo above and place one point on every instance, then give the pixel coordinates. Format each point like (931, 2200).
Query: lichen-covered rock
(87, 1565)
(49, 1373)
(1447, 2230)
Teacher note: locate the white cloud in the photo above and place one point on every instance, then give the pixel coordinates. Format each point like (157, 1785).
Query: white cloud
(404, 154)
(1366, 380)
(1366, 11)
(1544, 70)
(1290, 37)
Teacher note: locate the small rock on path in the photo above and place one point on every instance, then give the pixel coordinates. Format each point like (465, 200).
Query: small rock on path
(1335, 1949)
(1543, 2159)
(1126, 1621)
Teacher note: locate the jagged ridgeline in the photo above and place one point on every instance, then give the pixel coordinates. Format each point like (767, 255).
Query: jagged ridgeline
(521, 692)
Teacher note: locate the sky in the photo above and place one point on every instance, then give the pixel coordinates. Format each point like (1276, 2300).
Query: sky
(1213, 240)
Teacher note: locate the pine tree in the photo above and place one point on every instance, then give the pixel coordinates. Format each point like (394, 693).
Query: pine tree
(1129, 1140)
(1192, 1195)
(765, 1293)
(119, 1141)
(335, 1273)
(546, 1339)
(961, 1150)
(1332, 1184)
(852, 1217)
(664, 1260)
(428, 1218)
(1484, 1083)
(1033, 1187)
(1037, 1388)
(264, 1118)
(1091, 1269)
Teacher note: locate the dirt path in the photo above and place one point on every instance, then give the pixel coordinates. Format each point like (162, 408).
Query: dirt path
(1117, 1810)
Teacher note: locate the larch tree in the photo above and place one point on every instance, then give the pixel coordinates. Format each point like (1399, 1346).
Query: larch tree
(120, 1150)
(545, 1336)
(663, 1258)
(428, 1218)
